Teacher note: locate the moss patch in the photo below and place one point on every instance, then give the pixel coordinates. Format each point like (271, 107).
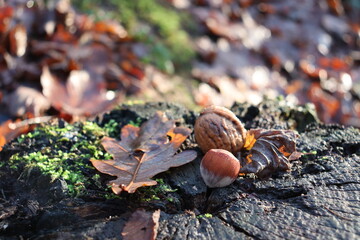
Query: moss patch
(63, 151)
(206, 215)
(161, 191)
(153, 22)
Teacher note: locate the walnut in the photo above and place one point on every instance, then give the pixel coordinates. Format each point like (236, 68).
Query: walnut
(219, 128)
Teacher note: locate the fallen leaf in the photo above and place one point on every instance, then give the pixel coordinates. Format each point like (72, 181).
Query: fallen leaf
(8, 133)
(144, 152)
(18, 40)
(336, 6)
(271, 152)
(79, 96)
(6, 12)
(113, 28)
(334, 63)
(141, 225)
(26, 100)
(132, 70)
(62, 35)
(326, 104)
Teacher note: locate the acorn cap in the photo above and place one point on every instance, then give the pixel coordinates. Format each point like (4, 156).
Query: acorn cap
(219, 168)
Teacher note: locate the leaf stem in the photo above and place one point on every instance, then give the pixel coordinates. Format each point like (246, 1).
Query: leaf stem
(135, 172)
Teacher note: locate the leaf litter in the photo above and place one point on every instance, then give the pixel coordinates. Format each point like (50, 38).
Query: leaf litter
(56, 61)
(307, 51)
(144, 152)
(63, 60)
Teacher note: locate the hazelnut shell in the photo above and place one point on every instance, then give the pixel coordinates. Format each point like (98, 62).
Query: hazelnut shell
(219, 128)
(219, 168)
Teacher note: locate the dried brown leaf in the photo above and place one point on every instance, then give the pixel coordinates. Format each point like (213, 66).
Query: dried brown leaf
(80, 96)
(269, 151)
(8, 133)
(111, 27)
(18, 40)
(144, 152)
(141, 225)
(26, 100)
(6, 12)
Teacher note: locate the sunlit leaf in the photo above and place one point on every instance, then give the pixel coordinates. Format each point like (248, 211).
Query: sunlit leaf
(113, 28)
(18, 40)
(144, 152)
(9, 131)
(26, 100)
(79, 96)
(6, 13)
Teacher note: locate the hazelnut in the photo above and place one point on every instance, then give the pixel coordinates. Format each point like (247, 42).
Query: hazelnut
(219, 168)
(219, 128)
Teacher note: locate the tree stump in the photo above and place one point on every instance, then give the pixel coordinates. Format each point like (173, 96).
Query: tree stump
(318, 199)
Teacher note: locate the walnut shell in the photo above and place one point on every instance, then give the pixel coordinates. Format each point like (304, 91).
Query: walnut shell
(219, 128)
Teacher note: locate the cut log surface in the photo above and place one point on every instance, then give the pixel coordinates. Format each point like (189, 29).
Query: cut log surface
(318, 199)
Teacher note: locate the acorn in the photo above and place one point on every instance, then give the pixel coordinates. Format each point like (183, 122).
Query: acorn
(219, 168)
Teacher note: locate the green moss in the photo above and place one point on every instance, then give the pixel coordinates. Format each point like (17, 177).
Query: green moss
(93, 128)
(310, 153)
(171, 45)
(112, 128)
(111, 196)
(153, 22)
(64, 152)
(157, 192)
(136, 123)
(205, 215)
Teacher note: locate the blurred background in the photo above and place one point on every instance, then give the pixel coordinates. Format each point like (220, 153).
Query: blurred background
(79, 59)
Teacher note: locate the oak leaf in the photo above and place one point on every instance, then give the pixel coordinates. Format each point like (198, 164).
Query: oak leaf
(144, 152)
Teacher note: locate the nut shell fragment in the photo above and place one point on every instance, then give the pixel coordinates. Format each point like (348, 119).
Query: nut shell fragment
(219, 128)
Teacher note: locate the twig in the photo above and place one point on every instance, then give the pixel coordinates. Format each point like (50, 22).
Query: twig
(336, 214)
